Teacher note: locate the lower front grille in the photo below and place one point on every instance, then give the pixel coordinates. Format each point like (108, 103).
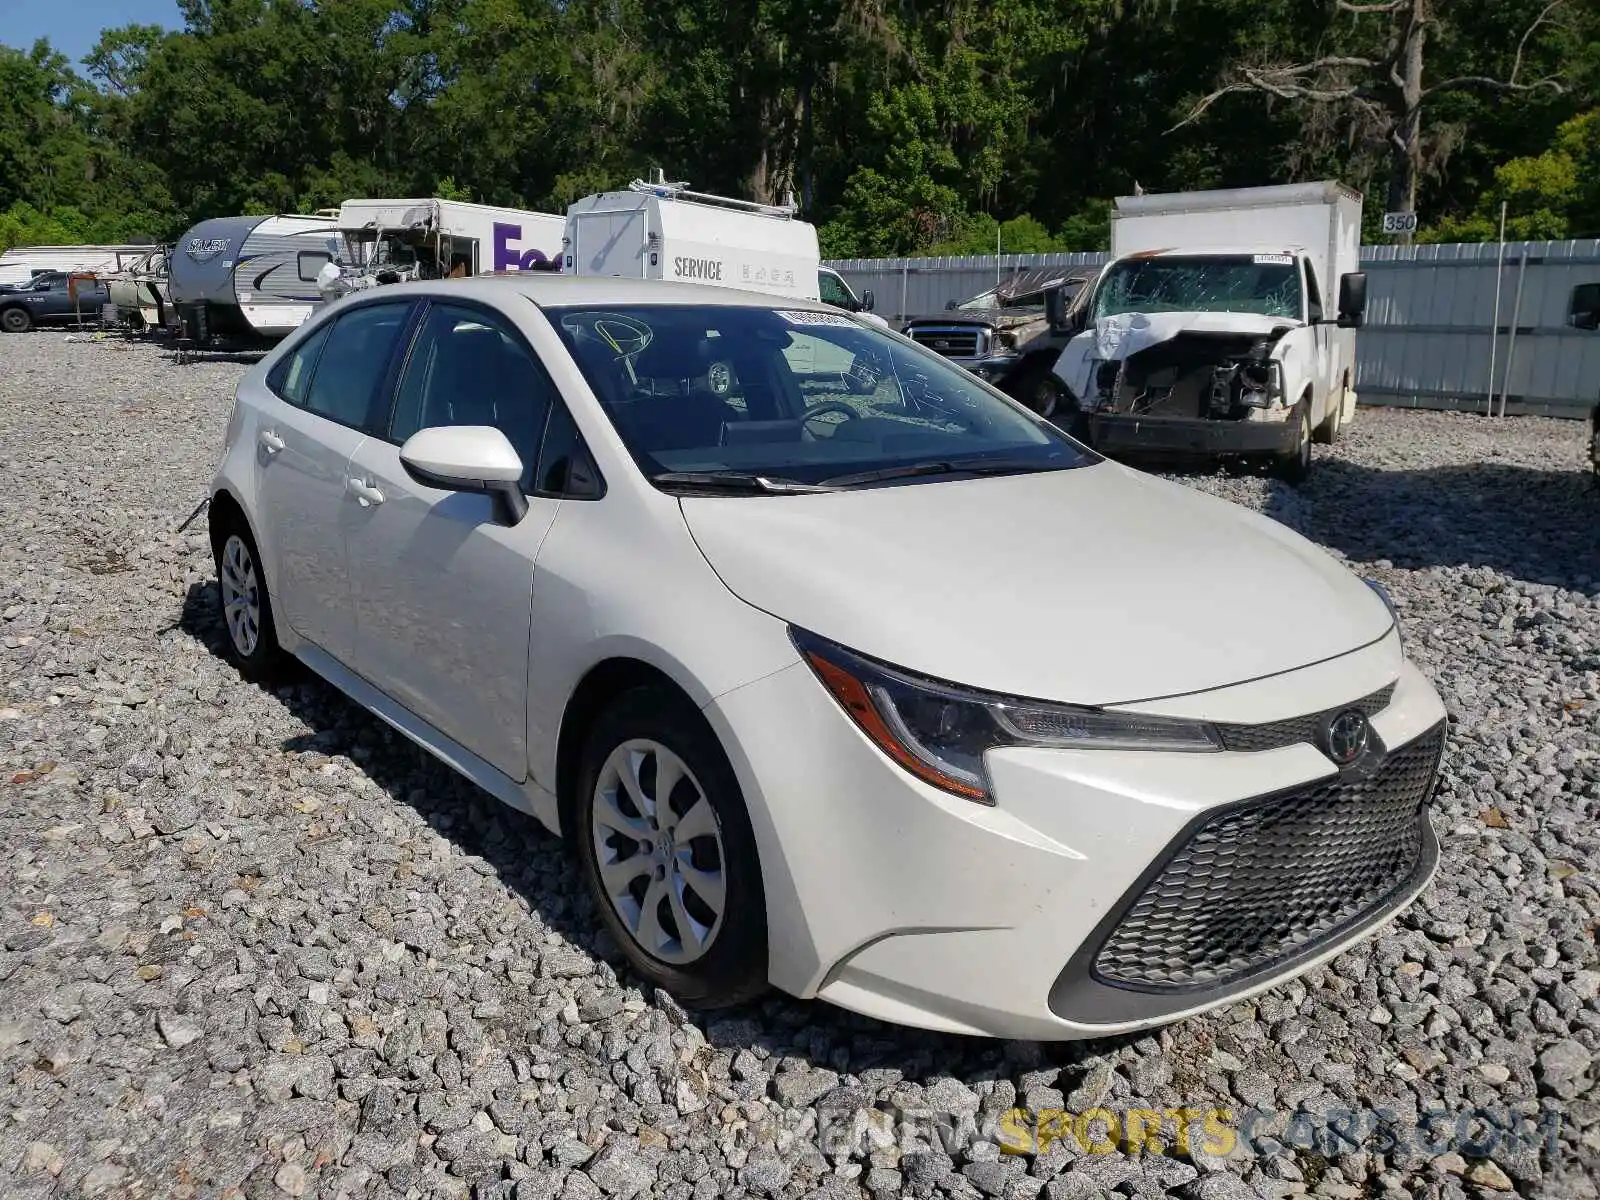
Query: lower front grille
(1269, 880)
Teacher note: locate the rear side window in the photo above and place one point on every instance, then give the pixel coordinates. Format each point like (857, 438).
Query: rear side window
(355, 363)
(468, 369)
(291, 378)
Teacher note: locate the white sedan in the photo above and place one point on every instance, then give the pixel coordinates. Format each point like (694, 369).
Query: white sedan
(865, 684)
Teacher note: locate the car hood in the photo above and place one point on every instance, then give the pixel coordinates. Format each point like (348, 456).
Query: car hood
(1096, 585)
(1126, 334)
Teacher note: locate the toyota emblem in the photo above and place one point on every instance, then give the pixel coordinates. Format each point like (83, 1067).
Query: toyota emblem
(1346, 736)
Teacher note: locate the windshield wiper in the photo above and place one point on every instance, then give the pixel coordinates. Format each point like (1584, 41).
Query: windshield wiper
(736, 481)
(1004, 466)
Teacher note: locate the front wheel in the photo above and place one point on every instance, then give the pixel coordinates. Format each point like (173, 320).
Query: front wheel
(1041, 392)
(15, 320)
(666, 846)
(1294, 466)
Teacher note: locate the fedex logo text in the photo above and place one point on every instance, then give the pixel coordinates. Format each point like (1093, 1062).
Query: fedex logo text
(507, 257)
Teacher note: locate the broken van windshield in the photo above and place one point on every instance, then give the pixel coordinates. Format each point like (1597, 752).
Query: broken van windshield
(1268, 285)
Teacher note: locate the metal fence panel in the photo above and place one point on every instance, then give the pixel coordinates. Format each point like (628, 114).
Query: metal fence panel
(1431, 334)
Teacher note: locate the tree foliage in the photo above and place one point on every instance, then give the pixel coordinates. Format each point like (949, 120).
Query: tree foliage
(899, 125)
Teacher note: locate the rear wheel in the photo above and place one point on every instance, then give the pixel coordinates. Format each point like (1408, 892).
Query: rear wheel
(666, 846)
(1294, 466)
(15, 320)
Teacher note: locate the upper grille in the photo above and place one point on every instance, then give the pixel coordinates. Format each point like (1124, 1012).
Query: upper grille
(952, 343)
(1294, 730)
(1262, 882)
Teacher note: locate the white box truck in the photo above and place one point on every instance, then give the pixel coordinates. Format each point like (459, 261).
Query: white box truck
(663, 230)
(387, 241)
(1224, 325)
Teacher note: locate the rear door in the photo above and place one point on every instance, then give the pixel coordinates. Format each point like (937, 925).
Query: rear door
(442, 592)
(326, 396)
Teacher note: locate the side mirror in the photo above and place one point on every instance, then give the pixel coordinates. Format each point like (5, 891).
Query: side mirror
(1055, 308)
(949, 306)
(468, 458)
(1352, 300)
(868, 300)
(1584, 310)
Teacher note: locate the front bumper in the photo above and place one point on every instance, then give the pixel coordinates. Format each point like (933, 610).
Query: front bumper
(899, 901)
(1200, 437)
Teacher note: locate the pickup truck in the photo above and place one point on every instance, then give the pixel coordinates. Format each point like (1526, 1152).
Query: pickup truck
(1004, 336)
(54, 298)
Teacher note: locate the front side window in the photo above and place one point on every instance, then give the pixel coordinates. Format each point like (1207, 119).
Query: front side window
(355, 363)
(805, 397)
(832, 290)
(466, 368)
(1267, 284)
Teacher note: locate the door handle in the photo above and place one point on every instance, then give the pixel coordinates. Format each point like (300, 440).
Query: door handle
(365, 493)
(269, 441)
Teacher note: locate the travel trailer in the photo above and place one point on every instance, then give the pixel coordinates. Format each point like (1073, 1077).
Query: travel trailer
(139, 292)
(390, 241)
(249, 277)
(21, 263)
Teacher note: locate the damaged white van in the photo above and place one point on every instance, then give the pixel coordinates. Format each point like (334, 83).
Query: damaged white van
(1214, 330)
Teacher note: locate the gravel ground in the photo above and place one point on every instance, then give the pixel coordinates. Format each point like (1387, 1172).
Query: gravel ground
(255, 945)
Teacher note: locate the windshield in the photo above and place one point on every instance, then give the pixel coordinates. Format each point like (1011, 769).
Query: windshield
(794, 396)
(1268, 284)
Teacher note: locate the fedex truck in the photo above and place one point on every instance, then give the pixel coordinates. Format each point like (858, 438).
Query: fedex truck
(387, 241)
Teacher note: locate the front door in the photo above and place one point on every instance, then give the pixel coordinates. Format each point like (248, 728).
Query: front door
(323, 397)
(442, 592)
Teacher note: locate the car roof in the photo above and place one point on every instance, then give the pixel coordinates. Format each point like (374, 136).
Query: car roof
(548, 289)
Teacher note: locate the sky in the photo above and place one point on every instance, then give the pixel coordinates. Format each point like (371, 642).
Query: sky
(73, 26)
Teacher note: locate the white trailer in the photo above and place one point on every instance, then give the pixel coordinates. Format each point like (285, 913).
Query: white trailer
(1224, 324)
(22, 263)
(387, 241)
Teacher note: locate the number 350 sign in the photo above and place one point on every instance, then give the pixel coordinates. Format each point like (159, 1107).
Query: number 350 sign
(1400, 222)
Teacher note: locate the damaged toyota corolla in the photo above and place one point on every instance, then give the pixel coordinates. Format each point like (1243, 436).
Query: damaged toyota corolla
(619, 552)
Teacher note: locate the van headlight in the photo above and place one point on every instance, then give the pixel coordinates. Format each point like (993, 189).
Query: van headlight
(940, 732)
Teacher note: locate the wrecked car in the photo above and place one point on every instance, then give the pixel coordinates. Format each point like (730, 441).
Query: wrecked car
(1208, 334)
(1004, 335)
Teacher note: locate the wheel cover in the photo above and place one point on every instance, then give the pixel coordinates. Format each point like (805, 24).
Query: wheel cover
(658, 846)
(241, 595)
(15, 319)
(1303, 451)
(1045, 397)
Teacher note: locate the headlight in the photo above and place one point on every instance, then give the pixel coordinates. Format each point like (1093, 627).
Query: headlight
(940, 732)
(1394, 613)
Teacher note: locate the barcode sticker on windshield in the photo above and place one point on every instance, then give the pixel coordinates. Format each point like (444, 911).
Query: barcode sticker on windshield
(1275, 260)
(815, 318)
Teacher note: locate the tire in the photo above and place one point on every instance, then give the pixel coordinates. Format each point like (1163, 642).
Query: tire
(723, 959)
(1294, 466)
(16, 320)
(244, 604)
(1041, 392)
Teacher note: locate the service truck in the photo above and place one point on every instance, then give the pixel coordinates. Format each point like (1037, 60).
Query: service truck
(661, 230)
(390, 241)
(1214, 330)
